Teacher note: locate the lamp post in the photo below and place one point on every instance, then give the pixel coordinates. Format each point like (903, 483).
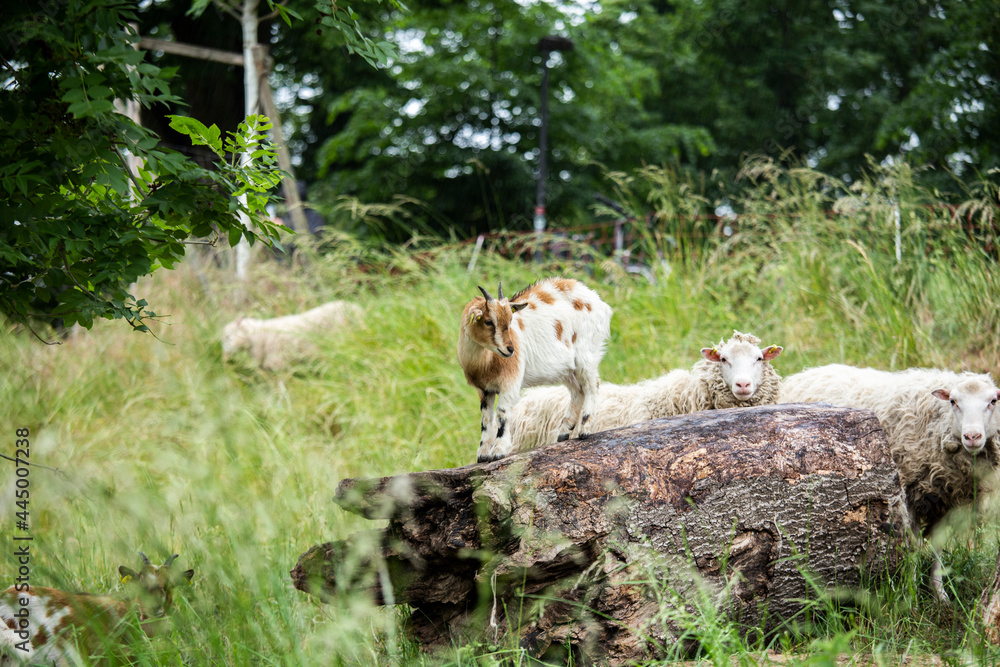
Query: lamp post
(546, 45)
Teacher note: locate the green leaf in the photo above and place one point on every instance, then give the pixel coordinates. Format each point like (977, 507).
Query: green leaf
(80, 109)
(198, 133)
(100, 92)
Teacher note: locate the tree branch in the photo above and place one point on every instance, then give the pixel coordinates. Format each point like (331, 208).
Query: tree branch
(35, 334)
(29, 463)
(229, 9)
(270, 16)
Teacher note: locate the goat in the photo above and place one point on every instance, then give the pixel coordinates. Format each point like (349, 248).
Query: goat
(553, 332)
(49, 626)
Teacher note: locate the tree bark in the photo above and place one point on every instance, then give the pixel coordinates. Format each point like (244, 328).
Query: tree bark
(251, 103)
(605, 545)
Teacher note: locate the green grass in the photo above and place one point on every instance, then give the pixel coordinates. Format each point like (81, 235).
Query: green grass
(165, 449)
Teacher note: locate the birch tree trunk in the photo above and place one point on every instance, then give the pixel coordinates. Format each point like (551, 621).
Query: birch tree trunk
(251, 97)
(604, 545)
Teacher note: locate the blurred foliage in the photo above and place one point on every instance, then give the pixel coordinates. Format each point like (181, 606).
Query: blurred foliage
(700, 85)
(452, 117)
(79, 226)
(454, 120)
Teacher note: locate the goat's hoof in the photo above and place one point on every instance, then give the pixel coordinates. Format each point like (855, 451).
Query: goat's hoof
(563, 437)
(583, 436)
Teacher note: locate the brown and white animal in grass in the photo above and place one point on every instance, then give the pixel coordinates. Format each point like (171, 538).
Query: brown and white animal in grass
(942, 429)
(553, 332)
(276, 343)
(47, 626)
(734, 373)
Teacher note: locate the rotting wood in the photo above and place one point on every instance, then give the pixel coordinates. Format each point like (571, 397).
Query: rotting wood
(558, 546)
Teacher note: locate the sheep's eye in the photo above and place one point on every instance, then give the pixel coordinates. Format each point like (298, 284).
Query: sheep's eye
(993, 402)
(760, 358)
(953, 401)
(724, 360)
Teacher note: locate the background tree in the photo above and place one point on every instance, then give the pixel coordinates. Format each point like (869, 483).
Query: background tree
(454, 121)
(700, 85)
(836, 82)
(78, 227)
(210, 91)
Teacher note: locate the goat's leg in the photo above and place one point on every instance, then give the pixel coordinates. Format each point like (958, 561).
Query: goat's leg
(486, 433)
(502, 444)
(571, 420)
(589, 383)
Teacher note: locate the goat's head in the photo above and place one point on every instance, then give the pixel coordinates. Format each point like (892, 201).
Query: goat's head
(489, 322)
(152, 585)
(973, 405)
(741, 362)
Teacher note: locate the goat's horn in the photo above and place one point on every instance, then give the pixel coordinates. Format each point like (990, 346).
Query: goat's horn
(500, 290)
(145, 561)
(170, 560)
(486, 294)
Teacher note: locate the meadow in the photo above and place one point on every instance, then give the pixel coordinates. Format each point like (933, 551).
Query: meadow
(165, 449)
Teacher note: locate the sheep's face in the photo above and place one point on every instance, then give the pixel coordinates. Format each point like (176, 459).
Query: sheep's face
(151, 587)
(973, 406)
(234, 338)
(741, 364)
(489, 321)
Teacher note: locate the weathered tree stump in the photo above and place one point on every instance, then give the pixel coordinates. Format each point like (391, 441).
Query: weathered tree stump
(592, 543)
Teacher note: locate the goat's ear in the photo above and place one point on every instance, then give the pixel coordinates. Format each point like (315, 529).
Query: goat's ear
(711, 353)
(943, 394)
(518, 306)
(475, 314)
(187, 574)
(127, 573)
(772, 351)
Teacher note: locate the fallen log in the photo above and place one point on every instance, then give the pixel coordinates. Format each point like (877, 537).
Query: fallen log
(601, 545)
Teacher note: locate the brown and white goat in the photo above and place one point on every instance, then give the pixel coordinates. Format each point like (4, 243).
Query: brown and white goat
(553, 332)
(52, 627)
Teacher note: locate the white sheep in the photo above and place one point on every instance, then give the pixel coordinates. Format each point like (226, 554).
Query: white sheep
(734, 373)
(52, 627)
(275, 343)
(942, 429)
(554, 331)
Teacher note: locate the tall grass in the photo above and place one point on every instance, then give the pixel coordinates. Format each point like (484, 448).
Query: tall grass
(165, 449)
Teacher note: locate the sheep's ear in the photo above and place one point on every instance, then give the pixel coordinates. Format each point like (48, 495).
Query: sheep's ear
(711, 353)
(127, 574)
(943, 394)
(518, 306)
(772, 351)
